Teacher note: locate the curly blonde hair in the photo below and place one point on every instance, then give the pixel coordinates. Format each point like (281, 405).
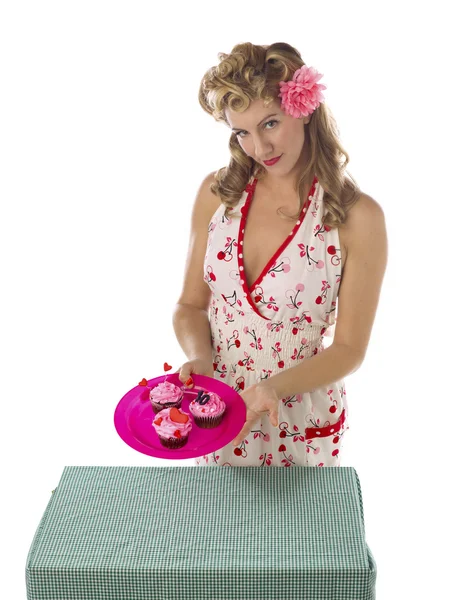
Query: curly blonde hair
(251, 72)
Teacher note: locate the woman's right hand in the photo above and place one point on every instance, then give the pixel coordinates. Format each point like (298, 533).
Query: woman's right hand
(197, 366)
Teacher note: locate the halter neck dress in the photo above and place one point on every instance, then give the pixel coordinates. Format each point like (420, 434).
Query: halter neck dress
(287, 315)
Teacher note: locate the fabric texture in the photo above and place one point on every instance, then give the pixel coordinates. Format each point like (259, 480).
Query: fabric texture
(288, 315)
(163, 533)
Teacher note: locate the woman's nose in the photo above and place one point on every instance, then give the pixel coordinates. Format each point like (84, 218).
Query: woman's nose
(262, 148)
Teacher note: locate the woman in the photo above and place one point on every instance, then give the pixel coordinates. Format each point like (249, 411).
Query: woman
(275, 248)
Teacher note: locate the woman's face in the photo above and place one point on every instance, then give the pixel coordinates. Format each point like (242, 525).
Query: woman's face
(263, 136)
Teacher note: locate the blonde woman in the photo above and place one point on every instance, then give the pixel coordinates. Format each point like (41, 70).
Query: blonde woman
(277, 248)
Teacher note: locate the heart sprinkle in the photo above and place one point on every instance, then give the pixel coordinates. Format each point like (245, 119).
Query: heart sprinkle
(143, 381)
(177, 416)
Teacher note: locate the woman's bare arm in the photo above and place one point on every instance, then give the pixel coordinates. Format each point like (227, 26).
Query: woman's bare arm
(190, 316)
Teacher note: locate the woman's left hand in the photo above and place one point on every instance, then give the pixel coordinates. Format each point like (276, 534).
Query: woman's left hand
(259, 398)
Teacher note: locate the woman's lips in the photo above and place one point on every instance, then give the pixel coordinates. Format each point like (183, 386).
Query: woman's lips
(272, 161)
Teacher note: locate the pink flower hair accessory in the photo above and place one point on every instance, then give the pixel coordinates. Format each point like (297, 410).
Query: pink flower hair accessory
(302, 95)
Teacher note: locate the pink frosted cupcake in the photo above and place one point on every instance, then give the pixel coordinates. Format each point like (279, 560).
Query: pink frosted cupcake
(207, 409)
(165, 395)
(173, 427)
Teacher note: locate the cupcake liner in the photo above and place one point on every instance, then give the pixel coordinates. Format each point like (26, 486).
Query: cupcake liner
(173, 442)
(208, 422)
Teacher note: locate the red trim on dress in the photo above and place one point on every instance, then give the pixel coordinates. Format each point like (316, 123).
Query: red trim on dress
(319, 432)
(250, 188)
(244, 211)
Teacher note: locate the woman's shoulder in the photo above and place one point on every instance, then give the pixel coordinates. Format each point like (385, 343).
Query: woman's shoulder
(211, 200)
(364, 211)
(206, 203)
(365, 221)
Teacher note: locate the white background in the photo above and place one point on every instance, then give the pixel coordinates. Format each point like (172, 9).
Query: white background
(103, 147)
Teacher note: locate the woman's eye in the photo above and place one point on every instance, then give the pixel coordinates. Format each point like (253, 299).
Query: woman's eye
(272, 121)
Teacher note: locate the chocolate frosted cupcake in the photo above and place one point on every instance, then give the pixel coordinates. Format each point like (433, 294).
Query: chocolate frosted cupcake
(165, 395)
(207, 409)
(173, 427)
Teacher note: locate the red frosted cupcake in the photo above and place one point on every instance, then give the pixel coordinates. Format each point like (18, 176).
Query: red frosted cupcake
(165, 395)
(207, 409)
(173, 427)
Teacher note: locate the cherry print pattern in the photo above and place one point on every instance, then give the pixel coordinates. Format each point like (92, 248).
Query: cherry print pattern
(285, 317)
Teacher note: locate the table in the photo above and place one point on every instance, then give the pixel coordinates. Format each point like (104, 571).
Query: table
(202, 533)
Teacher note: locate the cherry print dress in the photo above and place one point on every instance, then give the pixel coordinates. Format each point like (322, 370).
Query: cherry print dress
(286, 316)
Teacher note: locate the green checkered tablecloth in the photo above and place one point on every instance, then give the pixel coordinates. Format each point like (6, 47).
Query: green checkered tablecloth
(202, 533)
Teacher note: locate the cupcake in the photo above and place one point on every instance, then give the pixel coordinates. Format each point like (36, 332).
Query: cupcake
(173, 427)
(207, 409)
(165, 395)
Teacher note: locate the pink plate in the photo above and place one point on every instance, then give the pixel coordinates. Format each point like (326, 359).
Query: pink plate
(134, 415)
